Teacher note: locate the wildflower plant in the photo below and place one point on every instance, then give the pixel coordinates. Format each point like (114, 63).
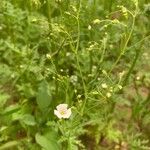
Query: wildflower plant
(74, 75)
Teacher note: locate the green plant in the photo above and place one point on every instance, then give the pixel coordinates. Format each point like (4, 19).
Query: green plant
(92, 56)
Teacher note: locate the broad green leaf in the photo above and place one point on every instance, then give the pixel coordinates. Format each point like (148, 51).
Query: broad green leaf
(28, 119)
(8, 145)
(3, 128)
(17, 115)
(11, 109)
(46, 143)
(43, 96)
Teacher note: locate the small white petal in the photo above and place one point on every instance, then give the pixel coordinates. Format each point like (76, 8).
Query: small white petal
(57, 114)
(68, 114)
(62, 106)
(104, 85)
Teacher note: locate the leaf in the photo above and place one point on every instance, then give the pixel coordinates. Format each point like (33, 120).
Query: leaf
(28, 119)
(17, 115)
(3, 99)
(10, 144)
(43, 96)
(47, 143)
(11, 109)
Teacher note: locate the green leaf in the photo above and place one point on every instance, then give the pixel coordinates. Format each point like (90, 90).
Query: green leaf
(3, 99)
(8, 145)
(11, 109)
(43, 96)
(47, 143)
(28, 119)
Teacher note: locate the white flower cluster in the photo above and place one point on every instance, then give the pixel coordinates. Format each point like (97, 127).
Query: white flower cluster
(74, 79)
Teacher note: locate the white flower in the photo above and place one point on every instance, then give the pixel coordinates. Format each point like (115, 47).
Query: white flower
(96, 21)
(137, 78)
(89, 27)
(68, 54)
(108, 95)
(104, 85)
(48, 56)
(73, 79)
(120, 87)
(62, 111)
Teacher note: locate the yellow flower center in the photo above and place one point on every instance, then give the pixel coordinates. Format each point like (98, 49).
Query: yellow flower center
(63, 111)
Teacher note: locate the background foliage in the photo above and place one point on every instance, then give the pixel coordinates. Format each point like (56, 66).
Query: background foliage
(91, 54)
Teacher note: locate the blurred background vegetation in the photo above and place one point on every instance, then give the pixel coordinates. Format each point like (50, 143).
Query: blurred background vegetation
(91, 54)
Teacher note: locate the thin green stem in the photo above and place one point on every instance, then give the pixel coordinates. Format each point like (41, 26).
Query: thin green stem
(131, 68)
(77, 59)
(49, 14)
(124, 47)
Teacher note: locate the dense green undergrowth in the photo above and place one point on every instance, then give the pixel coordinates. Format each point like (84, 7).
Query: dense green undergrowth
(90, 54)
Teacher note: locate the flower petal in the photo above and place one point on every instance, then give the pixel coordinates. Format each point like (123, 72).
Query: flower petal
(68, 114)
(62, 106)
(57, 114)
